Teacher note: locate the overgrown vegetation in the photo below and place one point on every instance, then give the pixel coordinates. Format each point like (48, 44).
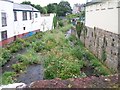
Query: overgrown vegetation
(55, 21)
(7, 78)
(5, 56)
(60, 58)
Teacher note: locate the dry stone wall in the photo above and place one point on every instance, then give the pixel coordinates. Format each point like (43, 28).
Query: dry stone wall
(103, 44)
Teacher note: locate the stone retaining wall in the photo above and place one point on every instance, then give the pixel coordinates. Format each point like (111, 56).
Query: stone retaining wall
(103, 44)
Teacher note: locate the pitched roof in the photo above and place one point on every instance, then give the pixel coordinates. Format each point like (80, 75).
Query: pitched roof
(93, 2)
(24, 7)
(7, 1)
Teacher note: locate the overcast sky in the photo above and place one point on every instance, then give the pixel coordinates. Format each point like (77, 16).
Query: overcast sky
(45, 2)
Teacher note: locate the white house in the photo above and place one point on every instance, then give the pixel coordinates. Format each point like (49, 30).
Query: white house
(6, 21)
(26, 20)
(103, 14)
(20, 20)
(77, 8)
(102, 18)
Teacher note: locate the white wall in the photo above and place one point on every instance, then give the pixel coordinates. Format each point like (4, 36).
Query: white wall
(30, 25)
(7, 7)
(105, 19)
(46, 22)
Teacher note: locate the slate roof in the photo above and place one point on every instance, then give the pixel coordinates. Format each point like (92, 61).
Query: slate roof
(23, 7)
(93, 2)
(7, 1)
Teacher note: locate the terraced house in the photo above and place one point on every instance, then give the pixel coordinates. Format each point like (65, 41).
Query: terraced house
(17, 20)
(102, 35)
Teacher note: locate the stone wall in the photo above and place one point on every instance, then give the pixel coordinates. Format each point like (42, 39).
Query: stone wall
(102, 44)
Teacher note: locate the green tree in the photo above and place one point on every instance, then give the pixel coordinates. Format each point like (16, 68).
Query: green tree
(26, 2)
(52, 8)
(38, 7)
(63, 8)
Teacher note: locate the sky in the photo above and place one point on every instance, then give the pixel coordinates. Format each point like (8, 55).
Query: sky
(46, 2)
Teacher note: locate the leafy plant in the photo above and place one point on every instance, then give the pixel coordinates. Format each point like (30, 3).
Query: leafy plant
(55, 21)
(19, 67)
(8, 78)
(5, 55)
(61, 24)
(30, 57)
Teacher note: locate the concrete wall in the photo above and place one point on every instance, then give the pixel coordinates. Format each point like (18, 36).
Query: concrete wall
(102, 32)
(46, 22)
(104, 45)
(103, 15)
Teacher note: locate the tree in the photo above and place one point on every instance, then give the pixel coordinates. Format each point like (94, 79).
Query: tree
(52, 8)
(26, 2)
(63, 8)
(38, 7)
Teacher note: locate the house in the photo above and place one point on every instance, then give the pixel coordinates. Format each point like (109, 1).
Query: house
(6, 22)
(102, 33)
(26, 20)
(77, 8)
(20, 21)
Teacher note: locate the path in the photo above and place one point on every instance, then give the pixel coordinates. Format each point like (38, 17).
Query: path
(33, 73)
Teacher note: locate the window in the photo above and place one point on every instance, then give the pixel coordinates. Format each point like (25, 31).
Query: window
(23, 28)
(30, 15)
(36, 15)
(4, 35)
(4, 19)
(15, 16)
(24, 15)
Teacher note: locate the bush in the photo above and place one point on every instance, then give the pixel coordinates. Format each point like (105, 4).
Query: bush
(15, 47)
(30, 57)
(22, 58)
(1, 61)
(61, 67)
(38, 46)
(55, 21)
(8, 78)
(19, 67)
(61, 24)
(5, 55)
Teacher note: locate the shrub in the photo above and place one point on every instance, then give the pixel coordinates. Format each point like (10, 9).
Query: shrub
(1, 61)
(8, 78)
(55, 21)
(19, 67)
(30, 57)
(38, 46)
(61, 24)
(102, 71)
(15, 47)
(22, 58)
(61, 67)
(5, 55)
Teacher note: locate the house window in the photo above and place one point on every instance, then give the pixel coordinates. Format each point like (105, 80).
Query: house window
(24, 15)
(4, 19)
(15, 16)
(23, 28)
(4, 35)
(30, 15)
(36, 15)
